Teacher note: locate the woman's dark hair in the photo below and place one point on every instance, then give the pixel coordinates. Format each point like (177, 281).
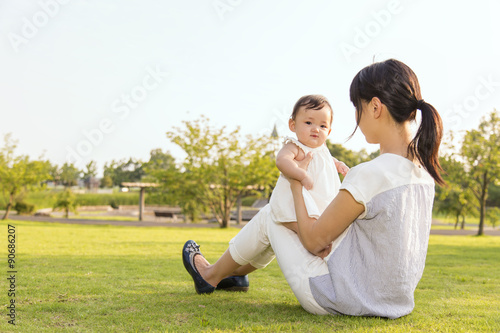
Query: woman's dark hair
(397, 87)
(311, 102)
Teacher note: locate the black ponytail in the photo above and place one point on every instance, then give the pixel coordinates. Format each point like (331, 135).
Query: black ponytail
(425, 144)
(397, 87)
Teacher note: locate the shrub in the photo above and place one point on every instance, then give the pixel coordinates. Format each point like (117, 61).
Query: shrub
(67, 201)
(114, 200)
(24, 208)
(249, 201)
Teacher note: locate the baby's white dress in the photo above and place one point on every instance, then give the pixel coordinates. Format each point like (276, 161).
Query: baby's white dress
(326, 184)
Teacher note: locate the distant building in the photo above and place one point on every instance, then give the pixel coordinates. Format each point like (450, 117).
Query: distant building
(274, 134)
(91, 183)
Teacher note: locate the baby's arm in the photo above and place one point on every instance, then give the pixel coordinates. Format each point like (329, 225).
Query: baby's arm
(341, 167)
(286, 164)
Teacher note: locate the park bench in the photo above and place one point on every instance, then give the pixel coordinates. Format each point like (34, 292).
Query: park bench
(167, 214)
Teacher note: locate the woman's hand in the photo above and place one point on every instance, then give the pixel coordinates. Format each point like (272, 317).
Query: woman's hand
(303, 164)
(305, 161)
(326, 251)
(295, 228)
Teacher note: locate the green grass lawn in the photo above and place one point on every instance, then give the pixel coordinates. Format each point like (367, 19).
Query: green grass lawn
(125, 279)
(451, 227)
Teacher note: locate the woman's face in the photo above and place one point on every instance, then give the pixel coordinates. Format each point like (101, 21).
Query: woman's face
(366, 123)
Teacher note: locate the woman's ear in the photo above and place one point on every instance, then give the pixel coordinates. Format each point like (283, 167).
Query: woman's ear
(377, 107)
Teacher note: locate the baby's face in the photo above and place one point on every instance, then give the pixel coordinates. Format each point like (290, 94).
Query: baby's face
(312, 127)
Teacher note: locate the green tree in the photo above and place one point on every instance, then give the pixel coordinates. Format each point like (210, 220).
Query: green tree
(19, 173)
(493, 215)
(494, 195)
(481, 154)
(106, 181)
(181, 188)
(55, 174)
(159, 161)
(455, 198)
(69, 175)
(350, 157)
(218, 168)
(89, 173)
(66, 200)
(130, 170)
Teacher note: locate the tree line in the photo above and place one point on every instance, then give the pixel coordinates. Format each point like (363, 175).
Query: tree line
(221, 167)
(471, 170)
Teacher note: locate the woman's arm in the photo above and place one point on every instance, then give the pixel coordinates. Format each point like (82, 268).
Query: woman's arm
(316, 235)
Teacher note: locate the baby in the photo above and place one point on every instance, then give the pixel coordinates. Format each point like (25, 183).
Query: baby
(311, 121)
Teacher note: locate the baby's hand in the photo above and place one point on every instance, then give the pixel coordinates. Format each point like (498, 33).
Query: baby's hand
(342, 168)
(307, 182)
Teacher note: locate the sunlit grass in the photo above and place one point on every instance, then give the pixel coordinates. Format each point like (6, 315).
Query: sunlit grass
(125, 279)
(47, 198)
(104, 217)
(452, 220)
(451, 227)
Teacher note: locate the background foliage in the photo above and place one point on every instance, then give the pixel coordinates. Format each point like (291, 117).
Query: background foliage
(221, 166)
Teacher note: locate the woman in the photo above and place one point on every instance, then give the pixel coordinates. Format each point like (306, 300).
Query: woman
(383, 212)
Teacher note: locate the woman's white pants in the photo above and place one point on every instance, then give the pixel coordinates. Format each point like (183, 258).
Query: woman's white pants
(262, 239)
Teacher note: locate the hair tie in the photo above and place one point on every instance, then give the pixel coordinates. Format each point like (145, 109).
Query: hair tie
(420, 103)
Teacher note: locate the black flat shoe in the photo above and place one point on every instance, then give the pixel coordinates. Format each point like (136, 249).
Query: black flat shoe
(234, 283)
(189, 251)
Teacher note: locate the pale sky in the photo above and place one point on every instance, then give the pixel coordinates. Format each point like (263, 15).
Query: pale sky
(102, 80)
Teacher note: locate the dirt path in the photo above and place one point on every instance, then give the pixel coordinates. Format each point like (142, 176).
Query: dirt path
(489, 232)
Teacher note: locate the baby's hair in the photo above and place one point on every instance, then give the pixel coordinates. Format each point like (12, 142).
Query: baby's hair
(312, 102)
(397, 87)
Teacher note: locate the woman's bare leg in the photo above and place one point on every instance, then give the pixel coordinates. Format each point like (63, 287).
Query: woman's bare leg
(223, 268)
(257, 251)
(213, 274)
(244, 270)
